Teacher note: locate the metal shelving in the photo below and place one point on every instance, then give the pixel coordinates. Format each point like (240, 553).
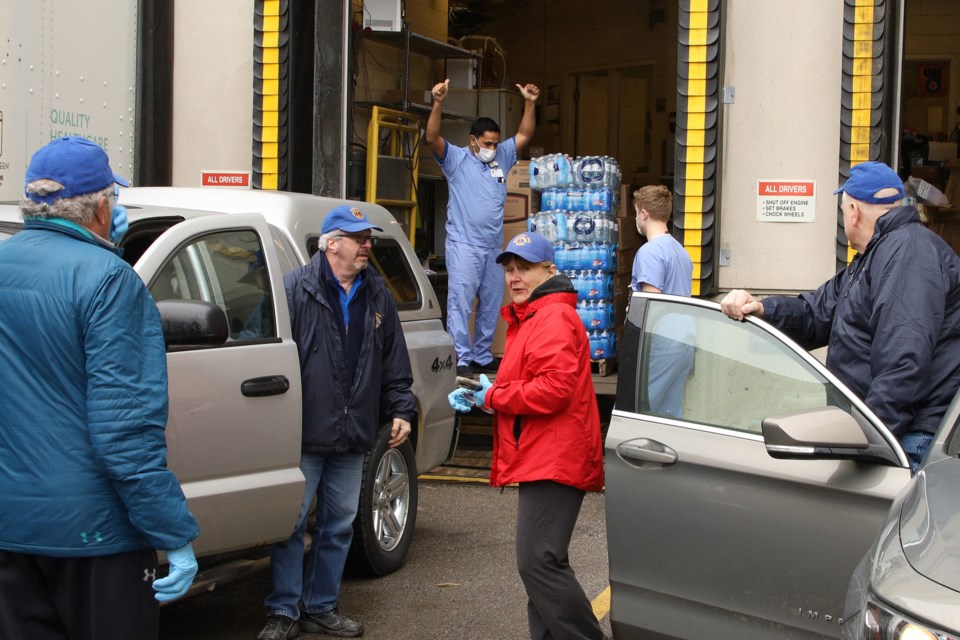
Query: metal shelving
(411, 43)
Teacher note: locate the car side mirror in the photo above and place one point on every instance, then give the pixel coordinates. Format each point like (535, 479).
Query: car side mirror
(826, 432)
(192, 323)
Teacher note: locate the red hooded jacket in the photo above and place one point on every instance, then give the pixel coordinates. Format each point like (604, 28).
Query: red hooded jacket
(547, 424)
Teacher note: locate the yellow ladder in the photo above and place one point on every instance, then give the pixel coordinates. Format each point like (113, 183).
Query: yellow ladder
(393, 162)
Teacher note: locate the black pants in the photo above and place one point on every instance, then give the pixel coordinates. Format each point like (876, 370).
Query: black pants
(96, 598)
(557, 607)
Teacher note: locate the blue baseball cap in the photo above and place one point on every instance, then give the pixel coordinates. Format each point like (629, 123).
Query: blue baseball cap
(80, 165)
(532, 247)
(867, 178)
(349, 219)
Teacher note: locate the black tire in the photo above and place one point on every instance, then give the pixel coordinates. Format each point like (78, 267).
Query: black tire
(383, 529)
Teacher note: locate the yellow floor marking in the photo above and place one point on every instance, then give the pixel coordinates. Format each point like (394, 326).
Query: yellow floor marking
(439, 478)
(601, 604)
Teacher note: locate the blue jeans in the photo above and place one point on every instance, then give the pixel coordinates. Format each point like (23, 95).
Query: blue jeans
(915, 445)
(335, 479)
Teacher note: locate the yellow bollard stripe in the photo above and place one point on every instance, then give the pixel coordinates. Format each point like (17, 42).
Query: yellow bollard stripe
(267, 105)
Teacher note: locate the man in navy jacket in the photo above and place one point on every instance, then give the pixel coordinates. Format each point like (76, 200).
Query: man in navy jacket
(354, 370)
(891, 319)
(86, 494)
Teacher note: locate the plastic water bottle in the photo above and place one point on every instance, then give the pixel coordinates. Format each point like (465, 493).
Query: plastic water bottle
(583, 310)
(543, 174)
(604, 314)
(584, 227)
(564, 170)
(588, 171)
(612, 344)
(560, 222)
(548, 199)
(535, 173)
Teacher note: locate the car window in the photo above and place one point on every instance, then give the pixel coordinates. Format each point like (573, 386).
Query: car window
(695, 363)
(228, 269)
(388, 259)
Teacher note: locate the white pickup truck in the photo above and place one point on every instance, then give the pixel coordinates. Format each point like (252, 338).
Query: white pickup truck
(214, 261)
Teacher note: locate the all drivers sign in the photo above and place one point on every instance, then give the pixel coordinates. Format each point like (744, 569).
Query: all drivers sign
(237, 179)
(786, 200)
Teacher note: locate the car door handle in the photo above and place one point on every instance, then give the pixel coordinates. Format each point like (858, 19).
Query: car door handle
(645, 450)
(265, 386)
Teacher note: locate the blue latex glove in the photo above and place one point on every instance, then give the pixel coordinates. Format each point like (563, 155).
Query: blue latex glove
(481, 395)
(118, 223)
(183, 568)
(457, 401)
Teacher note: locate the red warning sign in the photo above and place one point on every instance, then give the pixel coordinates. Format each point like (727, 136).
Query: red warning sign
(237, 179)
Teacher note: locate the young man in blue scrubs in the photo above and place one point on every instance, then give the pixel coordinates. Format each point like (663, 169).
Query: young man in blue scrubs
(477, 179)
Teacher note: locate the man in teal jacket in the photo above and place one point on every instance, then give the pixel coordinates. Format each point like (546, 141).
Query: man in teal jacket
(86, 494)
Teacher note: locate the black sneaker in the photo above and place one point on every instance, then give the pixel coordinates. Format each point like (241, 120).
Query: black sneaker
(279, 628)
(331, 623)
(464, 370)
(490, 367)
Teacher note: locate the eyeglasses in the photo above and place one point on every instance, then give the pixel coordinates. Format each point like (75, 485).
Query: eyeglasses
(360, 239)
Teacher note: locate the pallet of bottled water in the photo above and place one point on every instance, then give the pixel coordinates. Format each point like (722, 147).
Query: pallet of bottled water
(578, 200)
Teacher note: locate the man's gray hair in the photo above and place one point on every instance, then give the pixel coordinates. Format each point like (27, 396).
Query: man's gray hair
(325, 240)
(79, 209)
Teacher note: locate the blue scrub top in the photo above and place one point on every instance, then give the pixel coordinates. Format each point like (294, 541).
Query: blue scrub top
(477, 194)
(664, 264)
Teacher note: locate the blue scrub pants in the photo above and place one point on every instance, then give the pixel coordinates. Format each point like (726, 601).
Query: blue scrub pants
(473, 274)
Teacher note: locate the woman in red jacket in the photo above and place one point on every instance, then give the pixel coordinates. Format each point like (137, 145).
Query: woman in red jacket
(546, 433)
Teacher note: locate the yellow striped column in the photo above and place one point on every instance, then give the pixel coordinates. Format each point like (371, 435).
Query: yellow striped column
(862, 94)
(695, 203)
(270, 94)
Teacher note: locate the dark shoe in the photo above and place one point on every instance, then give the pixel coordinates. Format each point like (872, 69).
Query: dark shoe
(464, 370)
(279, 628)
(490, 367)
(331, 623)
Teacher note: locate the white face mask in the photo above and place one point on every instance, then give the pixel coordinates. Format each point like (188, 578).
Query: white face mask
(486, 155)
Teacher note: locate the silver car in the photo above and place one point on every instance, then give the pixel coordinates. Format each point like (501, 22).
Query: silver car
(214, 260)
(742, 510)
(907, 587)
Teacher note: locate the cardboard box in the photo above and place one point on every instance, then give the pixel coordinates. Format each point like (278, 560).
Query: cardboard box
(625, 260)
(518, 187)
(933, 175)
(518, 179)
(627, 235)
(625, 210)
(517, 208)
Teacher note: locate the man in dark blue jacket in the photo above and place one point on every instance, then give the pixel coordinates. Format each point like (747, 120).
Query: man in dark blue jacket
(85, 493)
(891, 319)
(354, 370)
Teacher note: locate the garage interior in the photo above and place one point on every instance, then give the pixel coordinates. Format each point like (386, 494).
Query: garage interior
(608, 79)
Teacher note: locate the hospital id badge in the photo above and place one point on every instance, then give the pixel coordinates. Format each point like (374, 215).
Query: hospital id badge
(496, 172)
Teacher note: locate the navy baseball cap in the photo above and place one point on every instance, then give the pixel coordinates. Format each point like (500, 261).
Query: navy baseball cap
(349, 219)
(532, 247)
(867, 178)
(80, 165)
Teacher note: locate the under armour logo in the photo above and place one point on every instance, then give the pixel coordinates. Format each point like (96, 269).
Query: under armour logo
(149, 575)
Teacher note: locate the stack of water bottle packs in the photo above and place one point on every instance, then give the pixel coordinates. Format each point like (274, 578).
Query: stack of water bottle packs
(578, 201)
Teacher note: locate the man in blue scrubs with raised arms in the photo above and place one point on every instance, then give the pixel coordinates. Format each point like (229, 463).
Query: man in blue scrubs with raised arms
(477, 179)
